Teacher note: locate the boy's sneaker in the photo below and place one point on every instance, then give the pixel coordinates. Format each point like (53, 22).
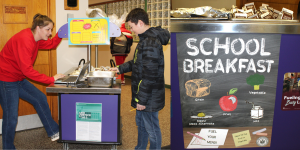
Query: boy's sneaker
(123, 82)
(55, 136)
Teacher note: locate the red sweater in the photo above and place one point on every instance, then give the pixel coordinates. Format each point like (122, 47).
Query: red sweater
(18, 55)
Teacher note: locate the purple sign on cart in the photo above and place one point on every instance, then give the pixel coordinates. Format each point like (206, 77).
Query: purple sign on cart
(110, 111)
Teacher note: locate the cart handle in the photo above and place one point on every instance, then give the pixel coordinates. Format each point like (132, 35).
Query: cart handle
(112, 63)
(81, 61)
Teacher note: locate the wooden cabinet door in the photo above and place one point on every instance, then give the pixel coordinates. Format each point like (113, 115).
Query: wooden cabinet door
(18, 15)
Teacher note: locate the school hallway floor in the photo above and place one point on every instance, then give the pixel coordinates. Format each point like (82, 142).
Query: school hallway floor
(38, 139)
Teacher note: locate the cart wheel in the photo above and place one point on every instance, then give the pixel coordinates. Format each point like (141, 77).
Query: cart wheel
(114, 147)
(65, 146)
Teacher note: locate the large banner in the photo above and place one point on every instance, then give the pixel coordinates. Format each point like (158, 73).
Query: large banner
(227, 81)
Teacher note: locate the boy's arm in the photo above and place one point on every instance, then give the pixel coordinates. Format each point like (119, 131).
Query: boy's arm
(151, 61)
(125, 67)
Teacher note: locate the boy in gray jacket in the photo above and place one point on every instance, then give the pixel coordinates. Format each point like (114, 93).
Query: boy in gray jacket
(147, 80)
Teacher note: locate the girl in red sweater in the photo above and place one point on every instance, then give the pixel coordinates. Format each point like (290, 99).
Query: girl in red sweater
(16, 59)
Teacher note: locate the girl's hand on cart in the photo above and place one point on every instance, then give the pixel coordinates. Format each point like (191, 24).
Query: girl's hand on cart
(57, 76)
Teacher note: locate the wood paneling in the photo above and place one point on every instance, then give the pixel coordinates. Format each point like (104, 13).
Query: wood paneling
(15, 14)
(53, 63)
(42, 58)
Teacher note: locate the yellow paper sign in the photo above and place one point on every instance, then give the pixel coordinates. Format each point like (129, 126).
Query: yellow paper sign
(241, 138)
(88, 31)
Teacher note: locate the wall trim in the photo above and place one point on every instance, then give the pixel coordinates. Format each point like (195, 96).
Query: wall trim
(26, 122)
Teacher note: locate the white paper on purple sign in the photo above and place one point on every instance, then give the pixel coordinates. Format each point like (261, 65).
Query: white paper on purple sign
(214, 136)
(196, 143)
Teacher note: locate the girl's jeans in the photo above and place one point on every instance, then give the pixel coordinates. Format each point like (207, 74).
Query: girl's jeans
(10, 92)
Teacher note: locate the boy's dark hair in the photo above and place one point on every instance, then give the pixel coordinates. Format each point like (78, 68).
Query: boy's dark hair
(138, 14)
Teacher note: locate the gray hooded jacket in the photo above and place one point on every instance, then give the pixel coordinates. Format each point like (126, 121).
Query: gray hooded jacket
(147, 66)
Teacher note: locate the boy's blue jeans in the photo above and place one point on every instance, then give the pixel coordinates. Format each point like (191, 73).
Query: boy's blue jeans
(148, 127)
(9, 100)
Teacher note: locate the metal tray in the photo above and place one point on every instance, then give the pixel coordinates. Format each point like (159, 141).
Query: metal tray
(100, 78)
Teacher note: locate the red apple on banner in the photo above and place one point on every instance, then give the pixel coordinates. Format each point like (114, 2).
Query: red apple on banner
(229, 102)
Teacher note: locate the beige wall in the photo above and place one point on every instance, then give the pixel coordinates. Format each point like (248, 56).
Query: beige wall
(104, 57)
(198, 3)
(68, 56)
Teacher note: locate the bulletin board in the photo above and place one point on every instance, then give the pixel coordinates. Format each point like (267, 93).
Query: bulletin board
(91, 31)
